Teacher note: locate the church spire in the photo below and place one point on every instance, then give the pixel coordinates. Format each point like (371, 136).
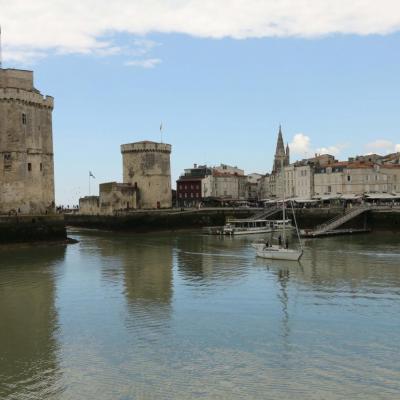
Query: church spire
(280, 153)
(279, 144)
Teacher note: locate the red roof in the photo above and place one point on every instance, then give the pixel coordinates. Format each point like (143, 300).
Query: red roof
(227, 174)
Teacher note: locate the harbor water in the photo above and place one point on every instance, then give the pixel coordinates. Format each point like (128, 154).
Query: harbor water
(189, 316)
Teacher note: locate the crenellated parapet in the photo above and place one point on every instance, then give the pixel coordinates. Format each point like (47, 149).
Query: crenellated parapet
(146, 146)
(26, 97)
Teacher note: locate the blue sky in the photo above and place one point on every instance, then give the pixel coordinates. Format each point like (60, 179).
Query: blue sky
(220, 99)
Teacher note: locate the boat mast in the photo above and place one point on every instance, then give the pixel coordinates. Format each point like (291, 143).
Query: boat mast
(297, 228)
(283, 206)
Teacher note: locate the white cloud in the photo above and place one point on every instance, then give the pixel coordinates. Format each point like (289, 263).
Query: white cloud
(301, 146)
(82, 26)
(334, 150)
(382, 146)
(146, 63)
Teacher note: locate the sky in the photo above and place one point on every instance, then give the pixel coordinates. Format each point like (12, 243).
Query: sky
(220, 76)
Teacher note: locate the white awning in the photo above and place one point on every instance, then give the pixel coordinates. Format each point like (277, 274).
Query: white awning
(306, 200)
(327, 196)
(351, 196)
(381, 196)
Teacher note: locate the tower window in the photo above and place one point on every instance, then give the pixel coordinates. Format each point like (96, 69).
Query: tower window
(29, 166)
(7, 161)
(41, 166)
(23, 119)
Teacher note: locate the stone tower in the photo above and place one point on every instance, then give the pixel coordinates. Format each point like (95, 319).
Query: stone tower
(26, 145)
(146, 165)
(281, 155)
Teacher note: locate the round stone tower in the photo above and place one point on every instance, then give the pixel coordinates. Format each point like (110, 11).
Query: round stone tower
(26, 145)
(146, 165)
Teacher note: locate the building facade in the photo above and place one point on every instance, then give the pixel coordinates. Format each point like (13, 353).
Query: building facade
(26, 145)
(201, 183)
(304, 181)
(190, 187)
(252, 186)
(353, 178)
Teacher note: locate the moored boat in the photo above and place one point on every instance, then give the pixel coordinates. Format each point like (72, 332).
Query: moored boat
(281, 251)
(246, 227)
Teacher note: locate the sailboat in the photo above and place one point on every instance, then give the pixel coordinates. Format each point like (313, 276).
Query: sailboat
(281, 251)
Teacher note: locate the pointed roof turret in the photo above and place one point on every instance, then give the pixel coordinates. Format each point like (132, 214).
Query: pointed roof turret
(280, 147)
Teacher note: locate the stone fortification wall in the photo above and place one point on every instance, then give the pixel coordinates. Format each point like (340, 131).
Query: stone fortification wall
(146, 165)
(89, 205)
(33, 228)
(113, 197)
(26, 146)
(116, 196)
(16, 78)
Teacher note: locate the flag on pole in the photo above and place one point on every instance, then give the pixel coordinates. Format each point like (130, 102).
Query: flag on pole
(161, 127)
(91, 175)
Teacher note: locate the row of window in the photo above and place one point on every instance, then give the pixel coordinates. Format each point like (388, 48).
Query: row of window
(192, 195)
(367, 188)
(181, 187)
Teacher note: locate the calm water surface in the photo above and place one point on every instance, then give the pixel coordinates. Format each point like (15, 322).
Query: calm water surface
(186, 316)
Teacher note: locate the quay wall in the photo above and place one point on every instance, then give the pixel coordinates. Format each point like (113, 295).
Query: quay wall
(171, 220)
(153, 220)
(32, 228)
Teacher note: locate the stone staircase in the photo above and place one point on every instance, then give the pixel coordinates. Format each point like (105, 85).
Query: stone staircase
(265, 214)
(339, 220)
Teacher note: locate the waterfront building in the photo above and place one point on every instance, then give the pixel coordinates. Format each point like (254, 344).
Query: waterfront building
(227, 169)
(220, 183)
(252, 186)
(289, 183)
(26, 145)
(353, 178)
(229, 185)
(192, 187)
(393, 173)
(303, 181)
(264, 187)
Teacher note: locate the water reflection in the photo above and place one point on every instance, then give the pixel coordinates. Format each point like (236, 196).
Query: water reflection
(178, 316)
(205, 259)
(356, 264)
(29, 365)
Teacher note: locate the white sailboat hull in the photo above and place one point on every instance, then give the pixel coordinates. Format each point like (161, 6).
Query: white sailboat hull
(248, 231)
(276, 253)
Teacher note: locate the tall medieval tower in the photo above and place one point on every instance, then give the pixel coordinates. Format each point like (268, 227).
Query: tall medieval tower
(146, 165)
(281, 155)
(26, 145)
